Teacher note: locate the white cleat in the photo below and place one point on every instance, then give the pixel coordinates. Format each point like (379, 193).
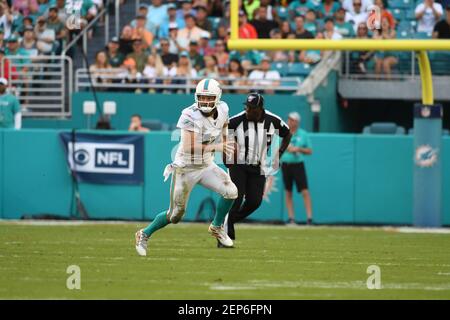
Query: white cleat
(141, 243)
(220, 234)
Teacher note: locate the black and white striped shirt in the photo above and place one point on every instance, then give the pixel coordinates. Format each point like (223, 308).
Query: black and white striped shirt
(255, 138)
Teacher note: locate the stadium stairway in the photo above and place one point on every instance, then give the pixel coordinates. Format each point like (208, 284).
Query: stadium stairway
(97, 43)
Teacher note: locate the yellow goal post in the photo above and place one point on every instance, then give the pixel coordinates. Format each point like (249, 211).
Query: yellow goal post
(234, 43)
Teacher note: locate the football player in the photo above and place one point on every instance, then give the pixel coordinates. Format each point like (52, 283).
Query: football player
(204, 130)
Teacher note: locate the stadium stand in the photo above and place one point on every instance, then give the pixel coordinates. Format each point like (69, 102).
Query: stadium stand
(43, 31)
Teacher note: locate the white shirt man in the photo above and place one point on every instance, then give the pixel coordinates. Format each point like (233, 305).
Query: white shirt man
(265, 76)
(357, 15)
(427, 14)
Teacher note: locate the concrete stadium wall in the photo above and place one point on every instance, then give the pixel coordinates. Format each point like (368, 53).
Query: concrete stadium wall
(353, 179)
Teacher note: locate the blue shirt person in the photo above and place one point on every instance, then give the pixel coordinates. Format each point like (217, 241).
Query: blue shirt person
(293, 167)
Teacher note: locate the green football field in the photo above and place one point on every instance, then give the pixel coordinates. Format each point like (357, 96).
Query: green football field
(268, 262)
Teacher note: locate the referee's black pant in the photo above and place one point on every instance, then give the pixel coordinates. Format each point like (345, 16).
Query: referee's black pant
(250, 184)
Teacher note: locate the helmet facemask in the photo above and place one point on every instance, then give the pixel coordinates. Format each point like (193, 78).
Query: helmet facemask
(206, 102)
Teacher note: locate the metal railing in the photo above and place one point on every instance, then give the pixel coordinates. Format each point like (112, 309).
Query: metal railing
(406, 68)
(118, 79)
(43, 84)
(84, 32)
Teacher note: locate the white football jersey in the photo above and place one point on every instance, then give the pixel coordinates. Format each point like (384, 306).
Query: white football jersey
(208, 129)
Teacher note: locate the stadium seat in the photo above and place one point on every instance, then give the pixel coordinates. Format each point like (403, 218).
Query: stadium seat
(410, 14)
(383, 128)
(440, 62)
(155, 125)
(399, 14)
(281, 67)
(401, 4)
(298, 69)
(422, 35)
(282, 12)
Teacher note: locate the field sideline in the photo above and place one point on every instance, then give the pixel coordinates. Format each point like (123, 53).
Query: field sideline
(269, 262)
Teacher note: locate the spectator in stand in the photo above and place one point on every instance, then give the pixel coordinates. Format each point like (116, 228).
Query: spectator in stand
(285, 29)
(29, 42)
(203, 45)
(300, 8)
(136, 124)
(190, 32)
(115, 57)
(360, 58)
(211, 70)
(272, 14)
(153, 69)
(43, 6)
(278, 55)
(328, 8)
(262, 25)
(14, 49)
(349, 6)
(221, 53)
(157, 13)
(186, 9)
(265, 77)
(216, 8)
(345, 29)
(6, 19)
(126, 40)
(27, 22)
(26, 7)
(300, 31)
(101, 69)
(386, 13)
(202, 19)
(167, 57)
(225, 21)
(141, 33)
(329, 30)
(311, 22)
(174, 46)
(62, 11)
(196, 59)
(385, 60)
(427, 14)
(250, 6)
(172, 19)
(138, 55)
(442, 28)
(45, 36)
(357, 15)
(246, 30)
(184, 70)
(149, 26)
(54, 23)
(236, 71)
(312, 56)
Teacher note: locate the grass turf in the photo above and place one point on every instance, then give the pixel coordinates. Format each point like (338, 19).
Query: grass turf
(183, 263)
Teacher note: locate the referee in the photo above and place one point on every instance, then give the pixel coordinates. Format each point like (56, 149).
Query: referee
(293, 167)
(253, 130)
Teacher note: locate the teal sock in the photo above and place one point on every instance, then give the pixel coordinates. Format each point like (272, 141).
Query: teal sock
(159, 222)
(223, 206)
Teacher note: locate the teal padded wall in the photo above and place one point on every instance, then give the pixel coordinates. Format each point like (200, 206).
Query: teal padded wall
(446, 180)
(383, 179)
(35, 175)
(330, 171)
(353, 179)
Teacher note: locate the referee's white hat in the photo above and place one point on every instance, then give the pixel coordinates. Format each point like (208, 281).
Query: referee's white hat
(294, 116)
